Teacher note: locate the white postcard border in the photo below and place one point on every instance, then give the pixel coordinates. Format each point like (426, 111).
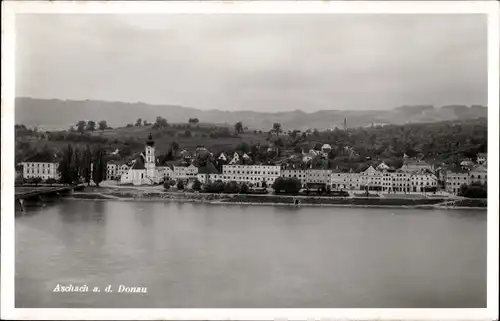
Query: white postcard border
(10, 9)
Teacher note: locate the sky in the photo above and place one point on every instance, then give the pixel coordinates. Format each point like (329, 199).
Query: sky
(259, 62)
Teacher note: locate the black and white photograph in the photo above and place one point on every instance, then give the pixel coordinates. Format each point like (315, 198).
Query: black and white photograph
(234, 160)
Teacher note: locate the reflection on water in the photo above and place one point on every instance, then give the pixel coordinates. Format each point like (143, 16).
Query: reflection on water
(230, 256)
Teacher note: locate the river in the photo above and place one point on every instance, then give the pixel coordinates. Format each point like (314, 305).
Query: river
(230, 256)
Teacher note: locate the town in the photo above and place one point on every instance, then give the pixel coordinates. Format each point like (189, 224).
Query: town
(287, 170)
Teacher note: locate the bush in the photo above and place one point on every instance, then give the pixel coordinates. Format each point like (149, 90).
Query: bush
(474, 190)
(50, 181)
(244, 189)
(19, 180)
(180, 185)
(196, 185)
(287, 185)
(231, 188)
(215, 187)
(166, 185)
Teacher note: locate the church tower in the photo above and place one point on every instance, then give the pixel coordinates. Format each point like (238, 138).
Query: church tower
(150, 158)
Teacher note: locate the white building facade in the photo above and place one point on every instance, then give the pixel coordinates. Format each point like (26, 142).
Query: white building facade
(42, 166)
(185, 172)
(251, 174)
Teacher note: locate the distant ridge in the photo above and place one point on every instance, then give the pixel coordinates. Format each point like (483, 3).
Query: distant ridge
(60, 114)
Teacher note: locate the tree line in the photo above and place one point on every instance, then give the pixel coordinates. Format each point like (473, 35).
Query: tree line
(77, 166)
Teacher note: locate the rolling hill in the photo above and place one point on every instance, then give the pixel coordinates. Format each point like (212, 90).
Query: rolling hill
(60, 114)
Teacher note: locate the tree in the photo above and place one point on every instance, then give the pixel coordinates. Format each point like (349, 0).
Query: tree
(174, 147)
(50, 181)
(138, 123)
(76, 166)
(80, 126)
(287, 185)
(180, 185)
(244, 189)
(160, 123)
(474, 190)
(146, 123)
(264, 184)
(99, 167)
(129, 125)
(238, 127)
(90, 125)
(231, 188)
(64, 167)
(125, 151)
(197, 185)
(103, 125)
(187, 134)
(86, 165)
(193, 121)
(37, 180)
(166, 185)
(277, 128)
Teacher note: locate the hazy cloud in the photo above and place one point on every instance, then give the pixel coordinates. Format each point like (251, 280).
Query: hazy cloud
(255, 62)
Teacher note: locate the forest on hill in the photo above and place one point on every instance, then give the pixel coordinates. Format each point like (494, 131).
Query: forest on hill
(440, 142)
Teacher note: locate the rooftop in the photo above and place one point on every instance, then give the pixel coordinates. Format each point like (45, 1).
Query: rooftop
(208, 169)
(139, 163)
(41, 158)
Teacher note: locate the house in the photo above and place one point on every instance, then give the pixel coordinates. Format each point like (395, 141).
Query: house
(467, 164)
(299, 174)
(41, 165)
(186, 172)
(340, 180)
(208, 173)
(382, 166)
(400, 181)
(411, 166)
(167, 171)
(478, 174)
(482, 158)
(319, 176)
(222, 157)
(143, 170)
(115, 169)
(251, 174)
(309, 156)
(423, 181)
(326, 149)
(235, 159)
(371, 179)
(122, 169)
(202, 152)
(186, 155)
(456, 177)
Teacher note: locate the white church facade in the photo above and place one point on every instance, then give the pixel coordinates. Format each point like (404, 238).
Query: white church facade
(144, 170)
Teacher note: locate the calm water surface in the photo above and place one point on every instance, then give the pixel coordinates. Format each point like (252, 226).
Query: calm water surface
(229, 256)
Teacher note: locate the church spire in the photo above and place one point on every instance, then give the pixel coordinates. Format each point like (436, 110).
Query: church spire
(150, 141)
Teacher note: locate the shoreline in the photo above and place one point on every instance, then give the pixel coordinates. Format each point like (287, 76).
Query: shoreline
(228, 200)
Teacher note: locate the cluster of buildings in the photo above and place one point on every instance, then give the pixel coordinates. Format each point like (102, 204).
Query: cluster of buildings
(467, 173)
(413, 176)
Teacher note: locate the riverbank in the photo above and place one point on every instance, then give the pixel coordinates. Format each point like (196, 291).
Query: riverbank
(282, 200)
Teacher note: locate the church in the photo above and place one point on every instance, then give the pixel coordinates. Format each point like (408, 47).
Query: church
(144, 170)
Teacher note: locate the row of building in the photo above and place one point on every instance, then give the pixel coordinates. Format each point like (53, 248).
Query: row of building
(413, 176)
